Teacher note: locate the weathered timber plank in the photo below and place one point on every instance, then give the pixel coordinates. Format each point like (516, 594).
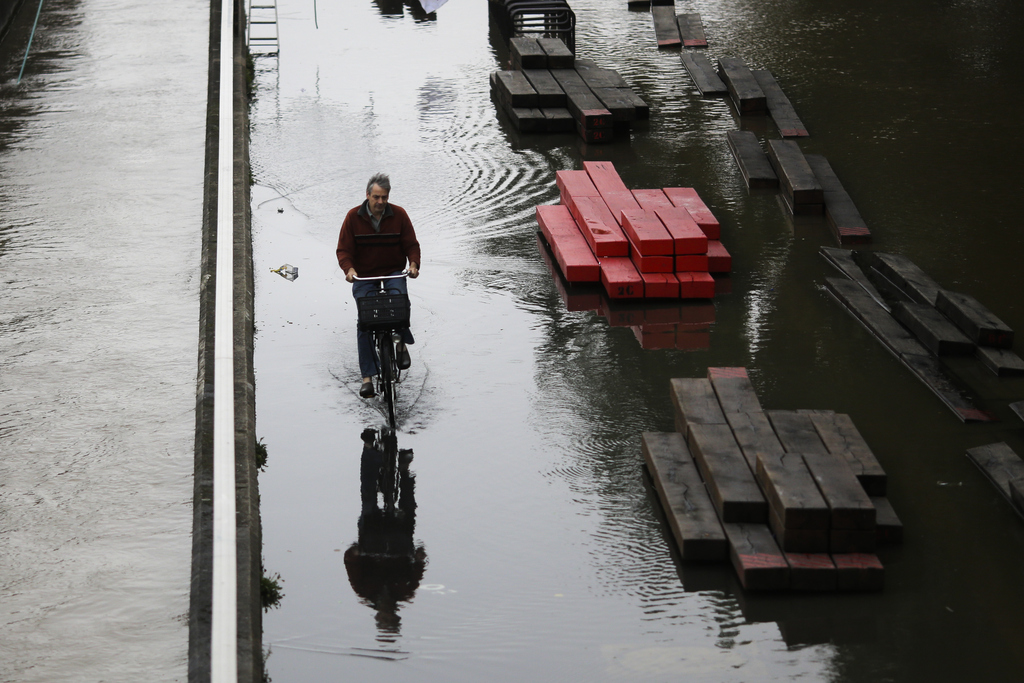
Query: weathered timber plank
(559, 56)
(746, 94)
(559, 120)
(999, 463)
(690, 513)
(695, 402)
(796, 432)
(513, 89)
(843, 261)
(618, 102)
(528, 119)
(735, 392)
(850, 507)
(779, 106)
(596, 77)
(1018, 408)
(691, 30)
(797, 540)
(812, 572)
(703, 75)
(549, 93)
(888, 527)
(977, 322)
(905, 274)
(893, 335)
(755, 435)
(842, 438)
(928, 370)
(934, 330)
(527, 53)
(1017, 493)
(1003, 362)
(756, 557)
(730, 482)
(666, 32)
(643, 110)
(843, 217)
(852, 540)
(859, 572)
(754, 166)
(796, 179)
(791, 491)
(582, 103)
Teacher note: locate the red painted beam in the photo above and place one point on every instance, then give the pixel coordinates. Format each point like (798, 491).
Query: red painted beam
(649, 200)
(687, 236)
(660, 285)
(647, 233)
(719, 260)
(606, 179)
(620, 279)
(687, 198)
(696, 285)
(692, 263)
(570, 248)
(603, 234)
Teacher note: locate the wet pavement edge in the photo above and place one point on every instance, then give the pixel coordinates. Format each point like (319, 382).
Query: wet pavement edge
(249, 531)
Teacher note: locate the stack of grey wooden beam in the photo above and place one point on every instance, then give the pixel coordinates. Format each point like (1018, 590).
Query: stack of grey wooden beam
(548, 90)
(794, 499)
(920, 322)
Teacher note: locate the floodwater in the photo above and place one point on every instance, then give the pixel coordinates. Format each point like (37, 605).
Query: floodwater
(101, 171)
(546, 555)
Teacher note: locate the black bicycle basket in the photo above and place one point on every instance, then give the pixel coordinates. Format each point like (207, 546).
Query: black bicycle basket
(386, 311)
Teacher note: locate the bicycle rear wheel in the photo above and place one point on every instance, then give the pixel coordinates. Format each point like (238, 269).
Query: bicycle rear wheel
(387, 375)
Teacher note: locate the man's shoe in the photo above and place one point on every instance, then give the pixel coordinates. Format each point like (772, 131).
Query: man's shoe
(366, 391)
(404, 359)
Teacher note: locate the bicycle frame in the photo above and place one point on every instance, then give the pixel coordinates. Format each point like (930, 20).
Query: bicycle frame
(384, 340)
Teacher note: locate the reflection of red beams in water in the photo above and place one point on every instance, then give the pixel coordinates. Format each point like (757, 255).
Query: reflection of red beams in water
(656, 323)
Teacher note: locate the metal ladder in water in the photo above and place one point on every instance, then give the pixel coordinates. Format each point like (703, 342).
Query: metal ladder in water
(261, 34)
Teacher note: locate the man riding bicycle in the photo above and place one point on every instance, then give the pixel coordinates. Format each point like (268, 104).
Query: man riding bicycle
(376, 239)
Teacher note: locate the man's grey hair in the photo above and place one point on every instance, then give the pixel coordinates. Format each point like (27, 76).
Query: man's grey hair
(380, 179)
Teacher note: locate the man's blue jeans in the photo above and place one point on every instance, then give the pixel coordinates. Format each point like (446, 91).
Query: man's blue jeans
(367, 363)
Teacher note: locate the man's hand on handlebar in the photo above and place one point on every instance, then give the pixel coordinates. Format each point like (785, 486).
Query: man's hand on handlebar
(414, 270)
(350, 276)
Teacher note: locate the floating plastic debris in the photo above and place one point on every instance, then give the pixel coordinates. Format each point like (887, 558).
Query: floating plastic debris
(287, 271)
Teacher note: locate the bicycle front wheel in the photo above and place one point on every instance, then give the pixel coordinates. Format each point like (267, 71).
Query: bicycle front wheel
(387, 376)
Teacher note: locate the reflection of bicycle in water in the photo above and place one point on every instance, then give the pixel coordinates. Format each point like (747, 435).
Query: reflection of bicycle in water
(385, 565)
(384, 315)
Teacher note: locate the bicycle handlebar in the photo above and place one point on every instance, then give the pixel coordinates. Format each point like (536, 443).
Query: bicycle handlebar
(403, 274)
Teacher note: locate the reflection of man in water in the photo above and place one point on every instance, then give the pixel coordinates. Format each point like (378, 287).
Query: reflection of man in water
(385, 566)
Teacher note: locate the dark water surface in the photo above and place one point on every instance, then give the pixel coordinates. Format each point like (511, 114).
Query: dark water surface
(546, 555)
(101, 170)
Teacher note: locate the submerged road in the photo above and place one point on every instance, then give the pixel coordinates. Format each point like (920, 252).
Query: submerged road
(546, 556)
(101, 172)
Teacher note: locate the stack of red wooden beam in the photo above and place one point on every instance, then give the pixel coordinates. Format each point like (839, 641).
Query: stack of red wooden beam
(654, 244)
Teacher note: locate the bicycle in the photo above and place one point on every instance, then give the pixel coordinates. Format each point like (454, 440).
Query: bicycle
(384, 315)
